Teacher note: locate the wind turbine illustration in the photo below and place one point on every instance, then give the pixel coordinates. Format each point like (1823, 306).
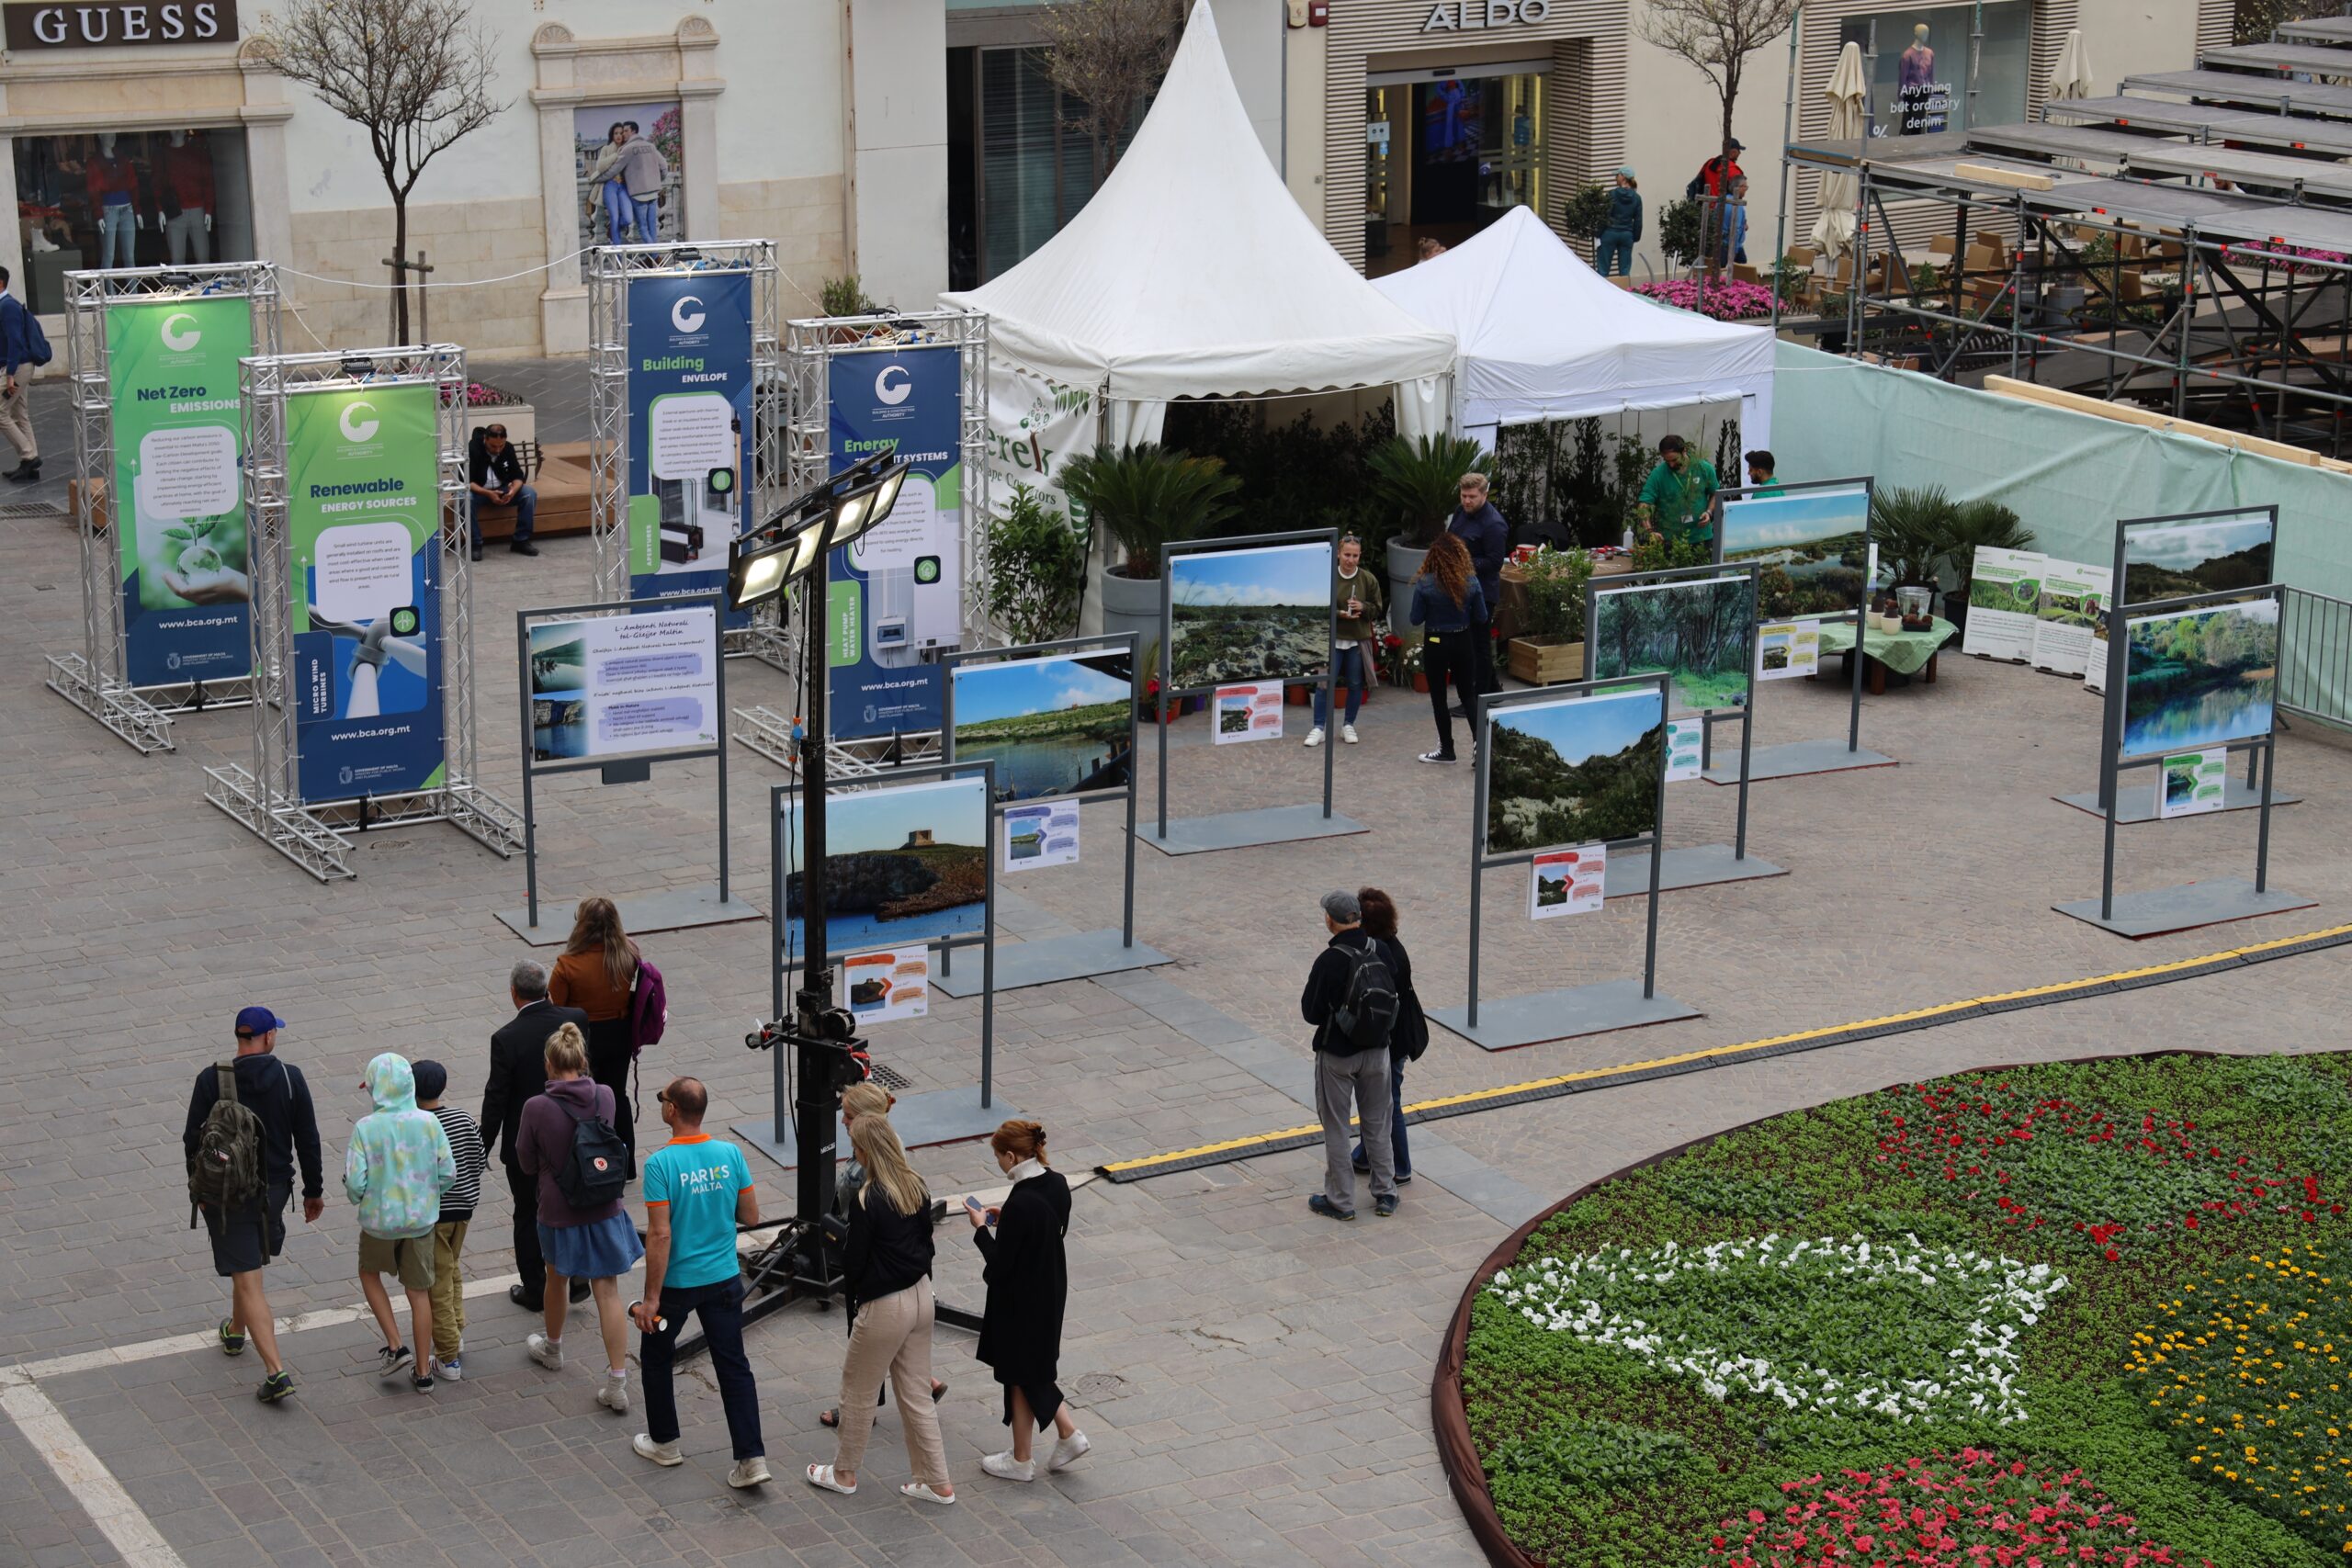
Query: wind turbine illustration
(376, 644)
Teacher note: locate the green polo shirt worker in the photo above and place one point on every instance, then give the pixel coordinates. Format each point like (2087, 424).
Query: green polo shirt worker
(1763, 472)
(697, 1191)
(1679, 498)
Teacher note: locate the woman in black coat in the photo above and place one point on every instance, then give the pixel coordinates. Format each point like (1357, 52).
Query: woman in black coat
(1410, 1036)
(1028, 1284)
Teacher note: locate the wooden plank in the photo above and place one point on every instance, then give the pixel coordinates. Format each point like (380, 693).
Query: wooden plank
(2015, 179)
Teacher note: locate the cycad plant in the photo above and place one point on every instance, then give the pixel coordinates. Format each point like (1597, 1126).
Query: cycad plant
(1913, 528)
(1148, 496)
(1417, 482)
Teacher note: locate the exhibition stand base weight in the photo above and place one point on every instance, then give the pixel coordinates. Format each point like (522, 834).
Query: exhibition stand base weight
(1509, 1022)
(922, 1120)
(1077, 956)
(1795, 759)
(2140, 805)
(1244, 829)
(2164, 911)
(671, 909)
(1701, 865)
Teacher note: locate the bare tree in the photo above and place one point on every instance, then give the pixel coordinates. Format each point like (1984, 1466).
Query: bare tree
(1717, 37)
(1109, 55)
(415, 73)
(2253, 21)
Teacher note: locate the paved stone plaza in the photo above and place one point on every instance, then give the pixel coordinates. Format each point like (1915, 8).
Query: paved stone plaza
(1254, 1379)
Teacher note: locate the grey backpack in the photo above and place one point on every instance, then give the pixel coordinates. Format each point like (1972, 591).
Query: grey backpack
(225, 1173)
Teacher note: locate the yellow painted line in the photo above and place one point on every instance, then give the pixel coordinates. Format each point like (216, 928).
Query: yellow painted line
(1745, 1047)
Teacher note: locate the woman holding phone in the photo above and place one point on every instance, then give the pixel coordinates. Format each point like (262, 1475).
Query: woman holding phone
(1028, 1285)
(1362, 610)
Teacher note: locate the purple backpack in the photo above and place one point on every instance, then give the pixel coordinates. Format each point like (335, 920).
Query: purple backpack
(649, 1008)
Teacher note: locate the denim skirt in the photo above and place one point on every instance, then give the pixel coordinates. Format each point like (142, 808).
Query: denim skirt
(602, 1249)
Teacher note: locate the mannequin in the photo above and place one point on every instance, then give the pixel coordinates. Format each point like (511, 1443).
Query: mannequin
(1918, 95)
(113, 186)
(186, 192)
(1918, 61)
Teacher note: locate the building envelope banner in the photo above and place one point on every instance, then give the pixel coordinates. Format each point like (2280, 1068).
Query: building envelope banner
(179, 496)
(363, 520)
(689, 430)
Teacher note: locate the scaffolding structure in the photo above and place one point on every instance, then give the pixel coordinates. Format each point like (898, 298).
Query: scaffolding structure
(96, 679)
(267, 796)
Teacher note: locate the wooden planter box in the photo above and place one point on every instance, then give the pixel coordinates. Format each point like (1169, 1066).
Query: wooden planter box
(1545, 662)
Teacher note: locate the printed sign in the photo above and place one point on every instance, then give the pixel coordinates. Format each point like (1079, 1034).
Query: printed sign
(2069, 635)
(887, 985)
(690, 430)
(1039, 836)
(620, 683)
(2192, 782)
(1785, 649)
(1567, 881)
(2004, 602)
(1249, 712)
(1684, 739)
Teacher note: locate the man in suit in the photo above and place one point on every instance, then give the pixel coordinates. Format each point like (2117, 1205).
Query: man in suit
(517, 1071)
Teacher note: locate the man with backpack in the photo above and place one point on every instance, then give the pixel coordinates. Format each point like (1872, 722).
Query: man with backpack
(248, 1122)
(1352, 1000)
(25, 350)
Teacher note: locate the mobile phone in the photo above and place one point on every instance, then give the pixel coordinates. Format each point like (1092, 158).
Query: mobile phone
(976, 1206)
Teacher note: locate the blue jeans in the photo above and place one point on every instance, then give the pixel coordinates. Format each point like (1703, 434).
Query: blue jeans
(1347, 672)
(118, 231)
(526, 510)
(1396, 1120)
(1614, 252)
(619, 212)
(649, 217)
(720, 1307)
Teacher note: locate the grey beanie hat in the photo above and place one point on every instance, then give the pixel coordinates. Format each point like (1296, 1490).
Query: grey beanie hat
(1341, 906)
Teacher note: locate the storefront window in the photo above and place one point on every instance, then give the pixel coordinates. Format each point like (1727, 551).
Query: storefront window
(1445, 157)
(1918, 63)
(128, 198)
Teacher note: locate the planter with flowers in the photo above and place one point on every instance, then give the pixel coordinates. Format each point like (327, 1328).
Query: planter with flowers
(1726, 299)
(1551, 651)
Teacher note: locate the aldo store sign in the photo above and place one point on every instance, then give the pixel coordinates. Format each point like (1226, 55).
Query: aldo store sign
(1471, 15)
(114, 24)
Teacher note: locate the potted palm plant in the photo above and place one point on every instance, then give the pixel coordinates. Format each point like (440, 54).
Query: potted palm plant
(1145, 497)
(1418, 482)
(1552, 650)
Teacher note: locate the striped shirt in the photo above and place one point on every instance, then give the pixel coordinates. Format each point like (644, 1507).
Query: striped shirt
(465, 1143)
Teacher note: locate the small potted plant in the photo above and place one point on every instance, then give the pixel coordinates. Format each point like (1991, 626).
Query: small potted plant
(1551, 651)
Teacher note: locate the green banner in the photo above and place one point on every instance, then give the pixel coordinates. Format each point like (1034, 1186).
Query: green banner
(178, 501)
(363, 519)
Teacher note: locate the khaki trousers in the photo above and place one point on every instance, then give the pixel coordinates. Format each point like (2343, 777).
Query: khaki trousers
(892, 1334)
(448, 1289)
(16, 418)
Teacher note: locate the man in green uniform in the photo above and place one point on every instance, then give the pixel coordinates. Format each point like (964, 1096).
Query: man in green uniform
(1679, 498)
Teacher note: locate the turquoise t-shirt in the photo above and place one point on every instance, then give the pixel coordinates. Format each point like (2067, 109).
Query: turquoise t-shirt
(698, 1178)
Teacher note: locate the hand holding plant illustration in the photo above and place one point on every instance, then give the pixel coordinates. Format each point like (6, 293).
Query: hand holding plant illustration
(198, 572)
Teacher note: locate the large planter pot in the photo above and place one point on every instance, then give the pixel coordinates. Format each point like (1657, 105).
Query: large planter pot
(1404, 564)
(1131, 604)
(1545, 661)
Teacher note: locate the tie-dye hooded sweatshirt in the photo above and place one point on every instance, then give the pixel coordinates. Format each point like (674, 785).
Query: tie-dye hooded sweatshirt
(399, 1163)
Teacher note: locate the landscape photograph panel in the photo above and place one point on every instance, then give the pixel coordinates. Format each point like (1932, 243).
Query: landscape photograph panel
(905, 864)
(1581, 770)
(2199, 678)
(558, 656)
(1814, 548)
(1058, 724)
(1249, 614)
(1699, 632)
(2205, 555)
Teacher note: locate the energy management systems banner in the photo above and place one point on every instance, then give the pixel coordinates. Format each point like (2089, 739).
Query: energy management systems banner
(179, 500)
(363, 520)
(690, 430)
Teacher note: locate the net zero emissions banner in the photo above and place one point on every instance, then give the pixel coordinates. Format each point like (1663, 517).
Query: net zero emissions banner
(899, 590)
(363, 522)
(179, 504)
(689, 430)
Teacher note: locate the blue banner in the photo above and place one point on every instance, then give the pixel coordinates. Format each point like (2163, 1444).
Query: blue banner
(689, 430)
(897, 594)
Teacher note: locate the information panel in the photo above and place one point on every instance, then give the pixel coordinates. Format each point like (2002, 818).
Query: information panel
(690, 430)
(610, 685)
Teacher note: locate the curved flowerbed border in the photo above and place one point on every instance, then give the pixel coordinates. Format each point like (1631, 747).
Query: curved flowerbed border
(1463, 1473)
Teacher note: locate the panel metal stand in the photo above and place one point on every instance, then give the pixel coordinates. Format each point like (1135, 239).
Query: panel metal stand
(1576, 1010)
(2138, 806)
(96, 679)
(267, 797)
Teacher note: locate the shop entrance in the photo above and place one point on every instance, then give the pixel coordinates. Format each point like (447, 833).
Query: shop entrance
(1447, 151)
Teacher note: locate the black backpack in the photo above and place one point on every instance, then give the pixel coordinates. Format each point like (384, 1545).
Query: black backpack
(226, 1173)
(598, 1168)
(1368, 1005)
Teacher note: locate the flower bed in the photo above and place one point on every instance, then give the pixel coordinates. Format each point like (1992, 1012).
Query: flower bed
(2081, 1313)
(1727, 299)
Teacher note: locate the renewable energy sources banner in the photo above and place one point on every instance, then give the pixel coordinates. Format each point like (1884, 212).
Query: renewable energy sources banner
(899, 590)
(363, 520)
(178, 497)
(690, 430)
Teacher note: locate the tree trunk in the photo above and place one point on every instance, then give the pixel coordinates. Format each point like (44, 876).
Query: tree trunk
(399, 265)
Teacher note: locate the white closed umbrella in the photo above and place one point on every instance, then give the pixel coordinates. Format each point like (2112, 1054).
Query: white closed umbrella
(2071, 78)
(1833, 230)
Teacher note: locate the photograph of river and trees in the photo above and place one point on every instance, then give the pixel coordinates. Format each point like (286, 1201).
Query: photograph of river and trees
(1581, 770)
(2205, 555)
(1698, 631)
(1813, 545)
(1250, 614)
(2199, 678)
(907, 863)
(1054, 725)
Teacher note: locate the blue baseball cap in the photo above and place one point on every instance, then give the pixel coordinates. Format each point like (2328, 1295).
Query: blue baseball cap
(257, 1020)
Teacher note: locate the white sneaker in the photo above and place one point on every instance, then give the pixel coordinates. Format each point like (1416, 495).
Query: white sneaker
(452, 1369)
(613, 1395)
(1005, 1467)
(1315, 735)
(1069, 1451)
(546, 1352)
(753, 1472)
(660, 1453)
(1348, 733)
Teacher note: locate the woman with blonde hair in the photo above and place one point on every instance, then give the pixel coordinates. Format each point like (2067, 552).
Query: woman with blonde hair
(594, 1242)
(597, 974)
(866, 1099)
(886, 1276)
(1028, 1286)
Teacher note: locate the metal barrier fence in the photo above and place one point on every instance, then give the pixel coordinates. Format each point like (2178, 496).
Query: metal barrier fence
(2315, 657)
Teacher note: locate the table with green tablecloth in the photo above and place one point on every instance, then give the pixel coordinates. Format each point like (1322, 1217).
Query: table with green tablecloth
(1906, 653)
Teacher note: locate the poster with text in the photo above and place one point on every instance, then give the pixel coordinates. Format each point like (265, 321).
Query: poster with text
(2070, 633)
(888, 984)
(179, 500)
(1245, 713)
(2004, 602)
(1567, 881)
(894, 599)
(907, 863)
(1785, 649)
(1813, 547)
(2192, 782)
(689, 430)
(1685, 743)
(615, 685)
(363, 523)
(1039, 836)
